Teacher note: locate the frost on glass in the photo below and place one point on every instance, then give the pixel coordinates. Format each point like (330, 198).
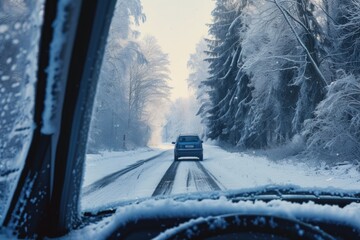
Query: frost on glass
(20, 23)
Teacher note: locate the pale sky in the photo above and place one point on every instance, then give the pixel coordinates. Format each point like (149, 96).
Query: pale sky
(178, 25)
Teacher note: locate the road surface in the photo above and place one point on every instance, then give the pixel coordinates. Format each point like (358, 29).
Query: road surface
(113, 177)
(157, 175)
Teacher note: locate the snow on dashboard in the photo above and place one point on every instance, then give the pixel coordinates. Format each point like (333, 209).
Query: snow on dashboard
(164, 208)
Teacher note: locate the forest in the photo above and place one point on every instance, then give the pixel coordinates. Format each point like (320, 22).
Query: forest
(280, 71)
(133, 81)
(268, 74)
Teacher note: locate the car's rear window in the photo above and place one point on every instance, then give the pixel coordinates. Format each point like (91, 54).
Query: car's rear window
(188, 139)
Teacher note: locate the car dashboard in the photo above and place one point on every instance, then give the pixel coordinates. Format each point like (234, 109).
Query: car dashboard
(235, 216)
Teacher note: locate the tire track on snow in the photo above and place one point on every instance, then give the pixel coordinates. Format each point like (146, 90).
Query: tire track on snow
(113, 176)
(166, 183)
(204, 180)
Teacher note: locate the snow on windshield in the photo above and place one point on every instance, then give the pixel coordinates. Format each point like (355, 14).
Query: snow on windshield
(20, 23)
(271, 88)
(55, 65)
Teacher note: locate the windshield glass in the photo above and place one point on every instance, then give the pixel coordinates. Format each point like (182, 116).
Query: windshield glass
(272, 88)
(20, 23)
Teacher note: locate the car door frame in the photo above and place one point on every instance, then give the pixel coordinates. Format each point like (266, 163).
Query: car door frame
(46, 198)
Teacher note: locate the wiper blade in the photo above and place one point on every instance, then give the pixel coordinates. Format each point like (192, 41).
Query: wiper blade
(101, 213)
(297, 194)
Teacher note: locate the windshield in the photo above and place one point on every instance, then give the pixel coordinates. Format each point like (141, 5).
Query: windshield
(272, 88)
(20, 23)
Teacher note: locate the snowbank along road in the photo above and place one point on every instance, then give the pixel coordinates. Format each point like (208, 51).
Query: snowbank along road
(120, 176)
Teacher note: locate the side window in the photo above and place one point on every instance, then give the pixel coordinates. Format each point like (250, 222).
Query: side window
(20, 24)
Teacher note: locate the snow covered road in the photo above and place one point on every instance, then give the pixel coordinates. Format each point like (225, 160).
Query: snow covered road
(197, 178)
(153, 176)
(117, 177)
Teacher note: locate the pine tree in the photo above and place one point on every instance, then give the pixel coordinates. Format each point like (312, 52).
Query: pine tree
(224, 52)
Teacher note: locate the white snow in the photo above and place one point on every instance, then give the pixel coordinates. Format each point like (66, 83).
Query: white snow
(138, 183)
(3, 28)
(230, 171)
(54, 66)
(100, 165)
(17, 26)
(5, 78)
(157, 209)
(25, 104)
(239, 170)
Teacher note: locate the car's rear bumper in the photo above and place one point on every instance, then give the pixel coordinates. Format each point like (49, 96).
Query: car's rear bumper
(189, 152)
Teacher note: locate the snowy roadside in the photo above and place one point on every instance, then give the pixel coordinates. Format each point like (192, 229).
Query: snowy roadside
(240, 170)
(100, 165)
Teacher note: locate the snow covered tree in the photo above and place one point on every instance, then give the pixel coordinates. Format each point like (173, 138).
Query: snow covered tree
(108, 123)
(181, 119)
(335, 129)
(198, 71)
(147, 84)
(293, 42)
(199, 91)
(265, 73)
(224, 52)
(343, 32)
(133, 81)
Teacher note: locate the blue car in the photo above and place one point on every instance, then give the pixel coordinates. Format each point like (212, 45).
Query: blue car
(188, 146)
